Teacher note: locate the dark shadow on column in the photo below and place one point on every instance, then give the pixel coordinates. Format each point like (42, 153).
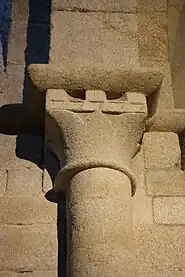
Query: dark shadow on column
(52, 166)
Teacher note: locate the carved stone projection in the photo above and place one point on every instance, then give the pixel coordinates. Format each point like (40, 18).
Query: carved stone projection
(94, 122)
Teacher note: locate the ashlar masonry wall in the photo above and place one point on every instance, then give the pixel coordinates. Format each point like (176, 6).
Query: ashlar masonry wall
(28, 222)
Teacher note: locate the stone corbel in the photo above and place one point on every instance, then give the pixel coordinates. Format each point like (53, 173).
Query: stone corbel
(94, 122)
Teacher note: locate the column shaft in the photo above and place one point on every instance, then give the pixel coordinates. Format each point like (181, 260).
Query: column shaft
(99, 225)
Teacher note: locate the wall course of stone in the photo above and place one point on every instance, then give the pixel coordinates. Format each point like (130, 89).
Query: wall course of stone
(156, 150)
(28, 210)
(28, 247)
(169, 210)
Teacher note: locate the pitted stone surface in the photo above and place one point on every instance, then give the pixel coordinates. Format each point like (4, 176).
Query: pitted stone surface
(28, 210)
(93, 39)
(113, 80)
(153, 40)
(176, 273)
(169, 210)
(12, 84)
(24, 181)
(161, 150)
(167, 183)
(3, 181)
(28, 248)
(104, 5)
(160, 249)
(29, 274)
(8, 155)
(157, 6)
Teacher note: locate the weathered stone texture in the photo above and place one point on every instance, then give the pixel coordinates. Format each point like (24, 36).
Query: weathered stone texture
(17, 44)
(152, 38)
(169, 210)
(12, 84)
(24, 181)
(73, 39)
(178, 4)
(166, 99)
(161, 150)
(104, 5)
(160, 249)
(11, 146)
(142, 210)
(157, 6)
(142, 204)
(1, 213)
(167, 183)
(173, 22)
(7, 152)
(47, 182)
(28, 247)
(29, 274)
(28, 210)
(3, 181)
(17, 36)
(163, 274)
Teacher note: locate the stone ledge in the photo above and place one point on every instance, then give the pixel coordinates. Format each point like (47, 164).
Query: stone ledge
(169, 210)
(111, 80)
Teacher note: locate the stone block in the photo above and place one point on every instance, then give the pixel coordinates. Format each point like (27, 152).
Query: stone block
(153, 39)
(94, 39)
(160, 249)
(17, 43)
(166, 183)
(24, 181)
(169, 210)
(28, 210)
(29, 274)
(28, 248)
(20, 10)
(8, 158)
(158, 6)
(3, 181)
(104, 5)
(12, 85)
(161, 150)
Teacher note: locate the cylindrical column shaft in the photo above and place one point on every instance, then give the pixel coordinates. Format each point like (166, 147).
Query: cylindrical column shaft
(99, 225)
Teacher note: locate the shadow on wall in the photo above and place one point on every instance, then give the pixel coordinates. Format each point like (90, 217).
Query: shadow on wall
(32, 147)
